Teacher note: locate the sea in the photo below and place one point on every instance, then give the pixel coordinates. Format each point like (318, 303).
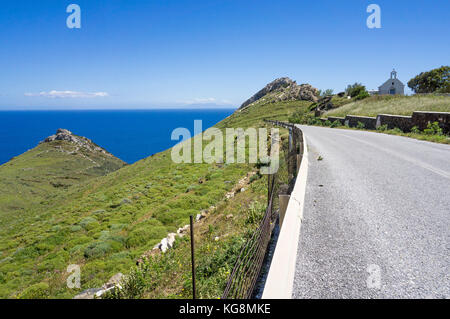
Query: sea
(130, 135)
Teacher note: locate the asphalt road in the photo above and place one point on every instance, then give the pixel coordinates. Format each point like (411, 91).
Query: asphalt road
(376, 218)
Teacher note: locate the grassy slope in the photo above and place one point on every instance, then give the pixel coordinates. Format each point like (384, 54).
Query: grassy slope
(398, 105)
(39, 174)
(106, 223)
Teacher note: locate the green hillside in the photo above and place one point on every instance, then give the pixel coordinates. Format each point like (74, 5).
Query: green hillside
(38, 175)
(58, 210)
(397, 105)
(67, 201)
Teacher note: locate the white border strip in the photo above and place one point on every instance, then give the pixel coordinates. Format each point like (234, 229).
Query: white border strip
(280, 280)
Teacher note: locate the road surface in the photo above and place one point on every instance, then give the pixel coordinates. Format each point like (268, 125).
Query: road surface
(376, 218)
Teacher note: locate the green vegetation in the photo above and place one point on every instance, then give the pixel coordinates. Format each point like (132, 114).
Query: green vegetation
(393, 104)
(433, 133)
(58, 208)
(60, 205)
(385, 104)
(356, 89)
(169, 275)
(39, 175)
(362, 95)
(326, 92)
(434, 81)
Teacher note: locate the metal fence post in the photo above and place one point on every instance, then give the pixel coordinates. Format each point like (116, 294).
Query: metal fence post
(192, 257)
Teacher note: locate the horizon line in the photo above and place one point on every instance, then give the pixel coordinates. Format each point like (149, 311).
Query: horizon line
(118, 109)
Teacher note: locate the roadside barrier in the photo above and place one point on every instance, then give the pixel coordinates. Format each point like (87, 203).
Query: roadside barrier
(242, 280)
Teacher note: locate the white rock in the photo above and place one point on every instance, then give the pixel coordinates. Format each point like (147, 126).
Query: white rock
(103, 291)
(171, 239)
(164, 245)
(116, 279)
(229, 195)
(183, 230)
(88, 293)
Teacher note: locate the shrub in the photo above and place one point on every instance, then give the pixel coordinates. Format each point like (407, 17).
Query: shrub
(225, 257)
(255, 177)
(191, 188)
(56, 228)
(37, 291)
(433, 129)
(88, 223)
(52, 264)
(382, 128)
(134, 286)
(327, 123)
(23, 253)
(189, 201)
(44, 247)
(336, 124)
(143, 235)
(415, 130)
(104, 235)
(355, 89)
(255, 212)
(360, 125)
(362, 95)
(313, 121)
(175, 216)
(101, 248)
(75, 228)
(117, 227)
(327, 92)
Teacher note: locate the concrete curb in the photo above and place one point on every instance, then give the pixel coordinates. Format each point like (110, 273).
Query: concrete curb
(280, 280)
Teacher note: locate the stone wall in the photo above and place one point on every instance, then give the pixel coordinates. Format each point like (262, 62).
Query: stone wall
(421, 120)
(369, 122)
(334, 119)
(392, 121)
(405, 123)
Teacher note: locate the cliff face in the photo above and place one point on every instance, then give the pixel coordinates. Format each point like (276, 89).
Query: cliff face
(284, 89)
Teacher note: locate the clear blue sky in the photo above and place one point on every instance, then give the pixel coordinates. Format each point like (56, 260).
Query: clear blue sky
(163, 53)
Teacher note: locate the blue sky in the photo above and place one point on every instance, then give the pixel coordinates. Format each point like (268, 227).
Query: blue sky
(167, 53)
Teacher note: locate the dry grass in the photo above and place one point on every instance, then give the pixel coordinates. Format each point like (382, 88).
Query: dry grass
(397, 105)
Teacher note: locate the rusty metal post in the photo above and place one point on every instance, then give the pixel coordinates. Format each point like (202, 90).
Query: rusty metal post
(192, 256)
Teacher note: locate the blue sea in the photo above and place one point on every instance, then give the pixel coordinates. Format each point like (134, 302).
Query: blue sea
(130, 135)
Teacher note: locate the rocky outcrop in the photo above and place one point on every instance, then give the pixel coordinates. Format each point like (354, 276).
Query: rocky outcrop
(284, 89)
(79, 141)
(325, 104)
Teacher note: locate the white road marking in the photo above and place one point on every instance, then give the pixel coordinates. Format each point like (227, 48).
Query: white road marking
(406, 158)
